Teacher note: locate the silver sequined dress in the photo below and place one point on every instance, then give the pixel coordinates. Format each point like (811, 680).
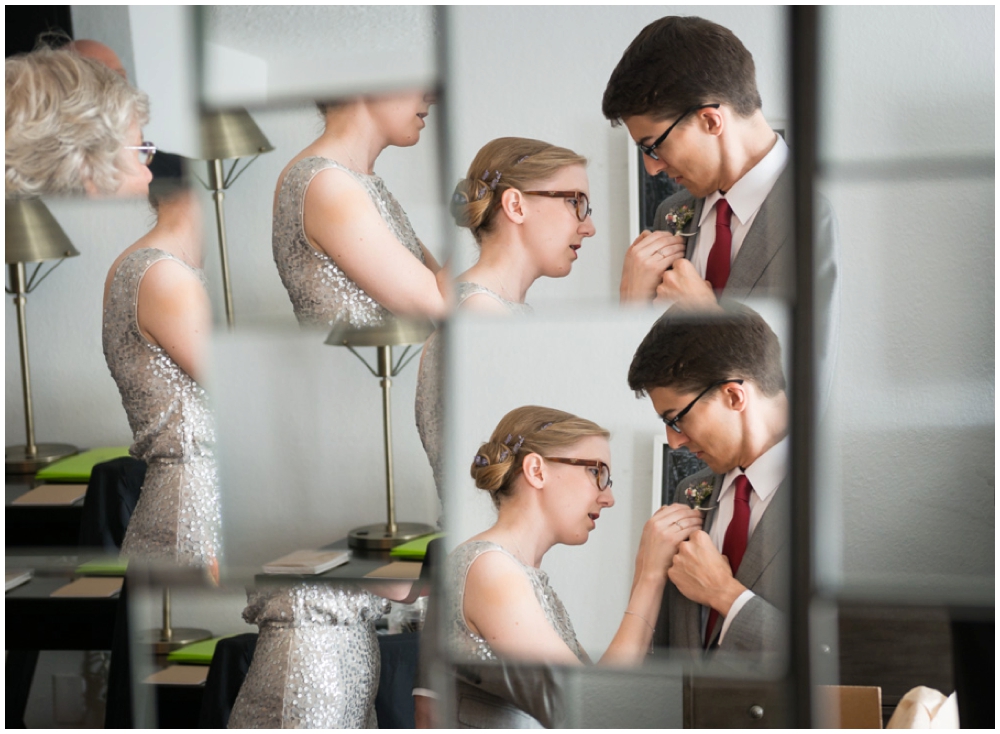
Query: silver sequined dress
(466, 644)
(321, 293)
(177, 516)
(317, 661)
(429, 401)
(316, 665)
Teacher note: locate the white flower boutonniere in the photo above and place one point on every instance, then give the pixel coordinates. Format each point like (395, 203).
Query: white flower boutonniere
(698, 494)
(678, 218)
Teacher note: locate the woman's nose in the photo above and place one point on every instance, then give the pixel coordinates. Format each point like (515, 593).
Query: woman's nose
(587, 228)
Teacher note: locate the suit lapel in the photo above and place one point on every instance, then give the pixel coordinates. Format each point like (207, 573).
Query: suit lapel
(699, 205)
(771, 231)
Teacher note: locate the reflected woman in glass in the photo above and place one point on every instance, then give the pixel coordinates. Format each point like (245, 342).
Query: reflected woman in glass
(157, 323)
(73, 126)
(549, 475)
(527, 203)
(346, 252)
(344, 247)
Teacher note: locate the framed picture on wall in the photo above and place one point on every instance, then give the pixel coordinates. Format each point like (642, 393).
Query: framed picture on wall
(669, 468)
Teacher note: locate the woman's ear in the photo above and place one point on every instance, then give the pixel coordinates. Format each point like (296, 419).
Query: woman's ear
(512, 205)
(533, 469)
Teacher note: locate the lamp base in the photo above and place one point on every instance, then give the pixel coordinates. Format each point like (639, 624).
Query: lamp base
(179, 637)
(378, 537)
(19, 461)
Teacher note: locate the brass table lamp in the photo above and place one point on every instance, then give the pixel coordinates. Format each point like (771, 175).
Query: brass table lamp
(383, 536)
(32, 236)
(224, 135)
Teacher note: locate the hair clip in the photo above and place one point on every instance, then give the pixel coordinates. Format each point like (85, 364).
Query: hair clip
(517, 447)
(545, 426)
(522, 159)
(504, 453)
(481, 460)
(495, 181)
(458, 198)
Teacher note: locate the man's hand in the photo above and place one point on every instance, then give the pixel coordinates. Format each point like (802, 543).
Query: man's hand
(683, 285)
(702, 574)
(645, 262)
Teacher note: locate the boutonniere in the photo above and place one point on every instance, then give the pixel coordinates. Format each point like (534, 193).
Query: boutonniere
(678, 218)
(698, 494)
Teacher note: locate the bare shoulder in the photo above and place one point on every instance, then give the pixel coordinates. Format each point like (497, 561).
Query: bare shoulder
(169, 280)
(497, 575)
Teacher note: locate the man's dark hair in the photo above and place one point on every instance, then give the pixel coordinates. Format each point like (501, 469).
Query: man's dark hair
(687, 354)
(676, 63)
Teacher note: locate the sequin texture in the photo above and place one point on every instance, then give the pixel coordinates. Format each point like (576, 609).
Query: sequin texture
(428, 405)
(466, 644)
(321, 293)
(177, 517)
(316, 664)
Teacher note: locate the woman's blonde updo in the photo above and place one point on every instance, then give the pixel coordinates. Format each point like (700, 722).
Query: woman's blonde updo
(501, 164)
(526, 430)
(67, 120)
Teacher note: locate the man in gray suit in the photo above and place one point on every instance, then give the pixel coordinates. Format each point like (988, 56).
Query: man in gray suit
(686, 90)
(718, 386)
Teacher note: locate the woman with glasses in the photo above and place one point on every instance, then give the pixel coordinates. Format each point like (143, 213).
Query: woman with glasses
(527, 205)
(156, 326)
(549, 475)
(73, 126)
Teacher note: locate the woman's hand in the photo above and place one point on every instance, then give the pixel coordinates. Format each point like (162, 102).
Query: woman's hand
(661, 535)
(646, 260)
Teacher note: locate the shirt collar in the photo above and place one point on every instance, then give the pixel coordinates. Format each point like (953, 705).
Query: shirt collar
(766, 473)
(748, 194)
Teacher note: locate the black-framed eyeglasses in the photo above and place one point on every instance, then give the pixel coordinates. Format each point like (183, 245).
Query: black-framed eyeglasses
(650, 150)
(600, 471)
(577, 199)
(672, 422)
(146, 151)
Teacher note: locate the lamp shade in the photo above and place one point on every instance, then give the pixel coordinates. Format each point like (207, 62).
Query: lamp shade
(231, 134)
(392, 333)
(33, 234)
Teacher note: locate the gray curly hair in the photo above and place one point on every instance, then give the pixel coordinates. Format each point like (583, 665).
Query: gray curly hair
(67, 121)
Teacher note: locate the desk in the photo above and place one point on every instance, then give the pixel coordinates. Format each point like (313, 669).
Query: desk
(36, 621)
(45, 526)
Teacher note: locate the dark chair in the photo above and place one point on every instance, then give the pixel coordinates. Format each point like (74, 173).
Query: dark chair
(112, 493)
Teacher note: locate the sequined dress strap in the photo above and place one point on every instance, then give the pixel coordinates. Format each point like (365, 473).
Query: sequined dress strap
(465, 289)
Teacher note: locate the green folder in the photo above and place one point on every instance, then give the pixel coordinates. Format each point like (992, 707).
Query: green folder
(103, 567)
(197, 653)
(416, 549)
(77, 468)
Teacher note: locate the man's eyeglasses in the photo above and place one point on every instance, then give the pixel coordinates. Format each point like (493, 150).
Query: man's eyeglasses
(650, 150)
(600, 470)
(672, 422)
(146, 151)
(577, 199)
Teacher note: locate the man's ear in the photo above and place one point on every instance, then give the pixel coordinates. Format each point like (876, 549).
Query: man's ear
(712, 121)
(735, 395)
(533, 469)
(512, 205)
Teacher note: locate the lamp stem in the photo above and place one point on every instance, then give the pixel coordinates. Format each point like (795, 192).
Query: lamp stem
(217, 182)
(385, 372)
(18, 281)
(167, 633)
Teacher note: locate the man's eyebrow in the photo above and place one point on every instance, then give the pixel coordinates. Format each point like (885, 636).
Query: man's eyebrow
(664, 415)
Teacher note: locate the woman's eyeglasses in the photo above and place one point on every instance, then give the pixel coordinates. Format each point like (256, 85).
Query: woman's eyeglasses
(146, 151)
(600, 471)
(577, 199)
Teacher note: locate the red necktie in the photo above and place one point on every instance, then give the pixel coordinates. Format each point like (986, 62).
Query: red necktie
(734, 545)
(717, 270)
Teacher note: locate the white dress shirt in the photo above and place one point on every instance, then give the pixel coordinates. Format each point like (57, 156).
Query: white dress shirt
(745, 199)
(765, 475)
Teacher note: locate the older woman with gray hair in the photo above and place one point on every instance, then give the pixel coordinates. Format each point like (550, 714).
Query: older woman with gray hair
(73, 126)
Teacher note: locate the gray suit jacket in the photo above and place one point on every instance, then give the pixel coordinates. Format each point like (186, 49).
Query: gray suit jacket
(765, 266)
(760, 626)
